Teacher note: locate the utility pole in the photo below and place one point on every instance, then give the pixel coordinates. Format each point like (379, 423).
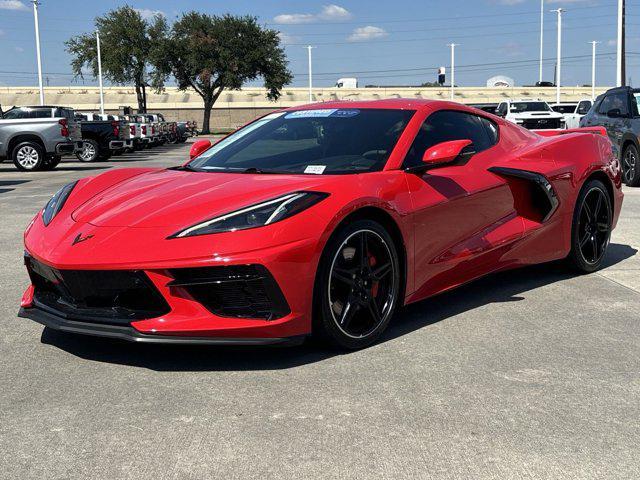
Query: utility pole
(35, 21)
(593, 69)
(559, 55)
(453, 68)
(100, 73)
(309, 47)
(621, 64)
(541, 36)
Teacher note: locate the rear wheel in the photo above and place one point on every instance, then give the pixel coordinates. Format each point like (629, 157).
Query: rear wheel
(631, 166)
(89, 152)
(357, 286)
(591, 231)
(28, 156)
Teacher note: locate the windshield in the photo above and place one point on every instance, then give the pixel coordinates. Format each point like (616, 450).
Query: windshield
(518, 107)
(331, 141)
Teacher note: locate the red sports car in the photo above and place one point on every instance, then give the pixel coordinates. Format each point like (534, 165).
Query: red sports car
(321, 220)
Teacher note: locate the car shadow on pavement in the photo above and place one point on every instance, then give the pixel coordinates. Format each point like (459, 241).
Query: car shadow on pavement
(497, 288)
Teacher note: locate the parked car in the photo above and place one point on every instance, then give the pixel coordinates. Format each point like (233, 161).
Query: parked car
(573, 112)
(135, 131)
(101, 138)
(35, 138)
(361, 208)
(531, 114)
(617, 111)
(183, 131)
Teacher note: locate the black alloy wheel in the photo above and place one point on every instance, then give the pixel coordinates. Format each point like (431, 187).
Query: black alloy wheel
(631, 166)
(592, 224)
(360, 285)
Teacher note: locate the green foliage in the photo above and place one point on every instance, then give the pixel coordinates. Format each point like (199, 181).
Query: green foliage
(212, 53)
(128, 43)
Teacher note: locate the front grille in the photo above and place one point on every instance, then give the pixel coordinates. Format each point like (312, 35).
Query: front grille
(541, 123)
(240, 291)
(106, 296)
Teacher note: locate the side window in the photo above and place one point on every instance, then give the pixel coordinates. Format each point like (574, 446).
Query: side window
(614, 101)
(444, 126)
(40, 113)
(492, 130)
(583, 107)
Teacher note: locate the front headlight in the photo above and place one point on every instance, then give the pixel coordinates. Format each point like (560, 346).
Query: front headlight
(55, 204)
(258, 215)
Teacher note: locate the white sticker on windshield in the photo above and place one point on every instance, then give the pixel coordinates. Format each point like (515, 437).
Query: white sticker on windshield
(315, 169)
(319, 113)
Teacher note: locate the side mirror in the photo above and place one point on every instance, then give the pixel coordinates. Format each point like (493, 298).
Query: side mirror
(198, 147)
(445, 152)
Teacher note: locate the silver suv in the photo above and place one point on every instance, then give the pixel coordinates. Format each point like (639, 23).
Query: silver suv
(35, 138)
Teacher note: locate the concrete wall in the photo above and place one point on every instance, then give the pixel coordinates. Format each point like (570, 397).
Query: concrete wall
(235, 108)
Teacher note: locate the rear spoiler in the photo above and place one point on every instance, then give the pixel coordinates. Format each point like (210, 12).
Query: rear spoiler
(554, 133)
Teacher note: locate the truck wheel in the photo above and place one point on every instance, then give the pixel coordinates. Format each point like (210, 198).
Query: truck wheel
(51, 162)
(28, 156)
(631, 166)
(89, 152)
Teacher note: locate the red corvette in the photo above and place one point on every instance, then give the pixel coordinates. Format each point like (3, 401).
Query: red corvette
(320, 219)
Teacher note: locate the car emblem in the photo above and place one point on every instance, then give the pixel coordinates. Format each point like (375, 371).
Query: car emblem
(79, 238)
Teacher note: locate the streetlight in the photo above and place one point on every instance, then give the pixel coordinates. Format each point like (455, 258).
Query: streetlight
(541, 37)
(100, 73)
(35, 21)
(559, 60)
(309, 47)
(593, 69)
(620, 73)
(453, 68)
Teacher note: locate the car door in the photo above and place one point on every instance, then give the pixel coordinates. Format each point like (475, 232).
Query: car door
(461, 212)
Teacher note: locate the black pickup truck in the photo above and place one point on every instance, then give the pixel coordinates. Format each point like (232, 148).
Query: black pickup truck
(617, 110)
(101, 138)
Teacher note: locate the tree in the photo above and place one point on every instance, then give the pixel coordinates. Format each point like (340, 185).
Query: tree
(127, 43)
(213, 53)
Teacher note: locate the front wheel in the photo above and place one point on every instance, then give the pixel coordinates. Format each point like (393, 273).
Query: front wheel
(591, 231)
(631, 166)
(357, 287)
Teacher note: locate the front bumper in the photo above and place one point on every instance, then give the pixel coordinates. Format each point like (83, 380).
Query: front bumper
(130, 334)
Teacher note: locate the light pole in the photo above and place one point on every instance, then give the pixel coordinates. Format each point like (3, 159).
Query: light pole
(453, 68)
(541, 36)
(100, 74)
(620, 70)
(559, 55)
(593, 69)
(309, 47)
(35, 21)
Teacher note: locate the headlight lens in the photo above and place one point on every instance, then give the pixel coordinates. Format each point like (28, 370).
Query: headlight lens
(56, 203)
(264, 213)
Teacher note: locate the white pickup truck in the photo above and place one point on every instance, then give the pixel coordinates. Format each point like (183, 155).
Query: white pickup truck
(531, 114)
(573, 112)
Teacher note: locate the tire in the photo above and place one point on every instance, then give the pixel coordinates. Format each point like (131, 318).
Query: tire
(89, 152)
(353, 299)
(591, 227)
(631, 166)
(51, 162)
(28, 156)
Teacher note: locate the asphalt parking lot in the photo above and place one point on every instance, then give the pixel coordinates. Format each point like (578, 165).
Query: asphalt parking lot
(527, 374)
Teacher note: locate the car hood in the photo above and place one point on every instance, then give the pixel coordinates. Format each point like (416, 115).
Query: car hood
(536, 115)
(179, 198)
